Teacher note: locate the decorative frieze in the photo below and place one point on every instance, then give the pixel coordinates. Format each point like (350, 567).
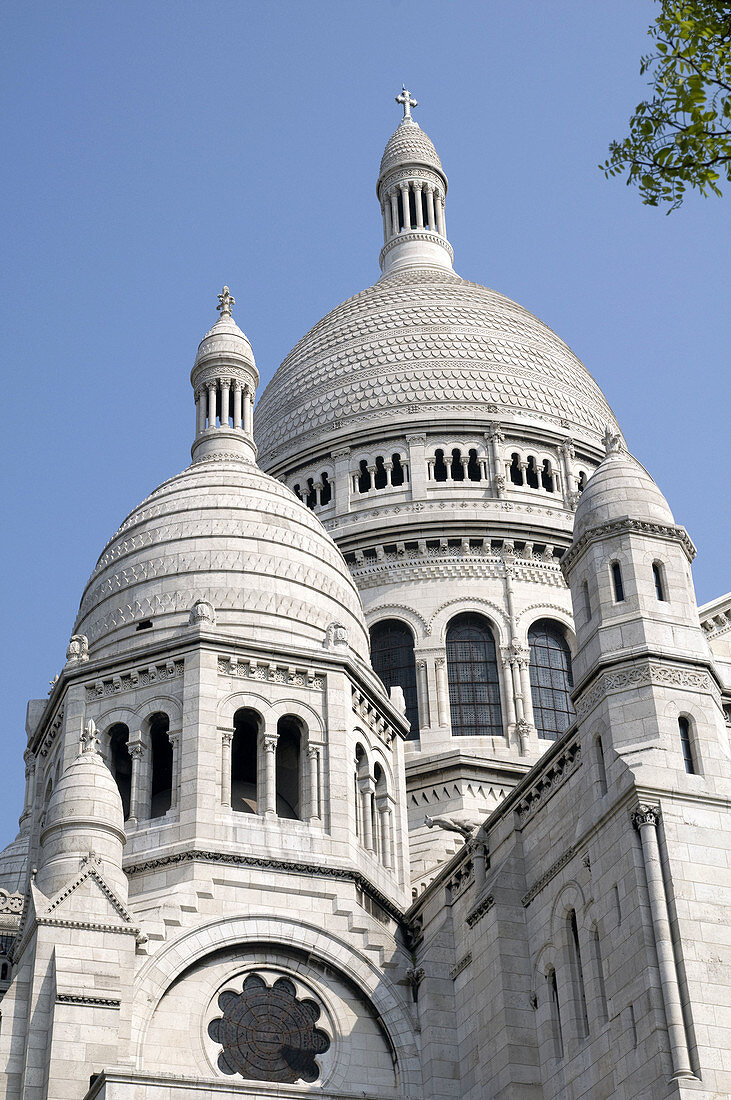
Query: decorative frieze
(373, 719)
(629, 526)
(133, 679)
(91, 1002)
(52, 732)
(479, 910)
(269, 672)
(548, 781)
(463, 963)
(461, 880)
(544, 880)
(640, 675)
(10, 903)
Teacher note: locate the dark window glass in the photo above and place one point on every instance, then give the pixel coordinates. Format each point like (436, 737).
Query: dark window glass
(364, 478)
(440, 466)
(474, 685)
(121, 763)
(397, 473)
(532, 473)
(617, 581)
(456, 465)
(657, 577)
(162, 766)
(244, 761)
(555, 1013)
(326, 491)
(547, 480)
(380, 478)
(474, 470)
(579, 989)
(516, 470)
(392, 656)
(288, 767)
(684, 726)
(551, 680)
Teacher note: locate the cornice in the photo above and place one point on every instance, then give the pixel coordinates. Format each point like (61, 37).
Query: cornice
(627, 526)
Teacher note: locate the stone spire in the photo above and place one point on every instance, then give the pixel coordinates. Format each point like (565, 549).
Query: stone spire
(224, 380)
(412, 189)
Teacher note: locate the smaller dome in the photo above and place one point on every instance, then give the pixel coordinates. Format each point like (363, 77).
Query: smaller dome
(86, 792)
(223, 340)
(620, 488)
(409, 145)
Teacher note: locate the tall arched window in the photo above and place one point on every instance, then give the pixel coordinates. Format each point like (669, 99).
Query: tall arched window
(289, 741)
(392, 656)
(244, 793)
(474, 684)
(121, 763)
(551, 680)
(686, 745)
(161, 753)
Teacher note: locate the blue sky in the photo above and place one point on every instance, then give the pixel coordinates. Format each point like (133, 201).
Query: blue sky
(154, 151)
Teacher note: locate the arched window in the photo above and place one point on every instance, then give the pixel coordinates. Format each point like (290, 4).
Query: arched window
(582, 481)
(244, 756)
(582, 1015)
(297, 492)
(161, 754)
(364, 477)
(599, 967)
(121, 763)
(380, 476)
(382, 817)
(457, 469)
(617, 582)
(601, 765)
(359, 775)
(555, 1013)
(311, 499)
(587, 600)
(474, 684)
(687, 745)
(551, 680)
(547, 477)
(392, 657)
(532, 473)
(657, 576)
(289, 740)
(474, 470)
(440, 466)
(516, 470)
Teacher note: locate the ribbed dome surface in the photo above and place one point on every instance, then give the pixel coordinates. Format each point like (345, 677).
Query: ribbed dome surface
(425, 342)
(86, 792)
(409, 145)
(620, 487)
(224, 338)
(227, 533)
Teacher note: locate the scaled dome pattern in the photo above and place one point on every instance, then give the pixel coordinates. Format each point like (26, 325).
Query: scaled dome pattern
(227, 533)
(423, 341)
(409, 144)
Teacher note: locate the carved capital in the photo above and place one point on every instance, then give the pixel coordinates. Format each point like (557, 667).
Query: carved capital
(645, 815)
(270, 742)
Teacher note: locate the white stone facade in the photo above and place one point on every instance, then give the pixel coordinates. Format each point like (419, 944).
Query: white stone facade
(247, 869)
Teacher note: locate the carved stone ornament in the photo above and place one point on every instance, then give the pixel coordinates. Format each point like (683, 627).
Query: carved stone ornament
(201, 613)
(78, 649)
(396, 695)
(268, 1034)
(336, 636)
(645, 815)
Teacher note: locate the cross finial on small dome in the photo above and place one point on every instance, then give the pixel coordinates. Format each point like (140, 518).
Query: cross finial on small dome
(407, 100)
(225, 301)
(89, 738)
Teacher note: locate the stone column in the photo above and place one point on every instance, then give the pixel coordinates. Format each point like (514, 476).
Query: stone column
(200, 412)
(174, 739)
(211, 404)
(386, 211)
(136, 798)
(248, 411)
(524, 664)
(393, 198)
(508, 684)
(440, 663)
(495, 439)
(269, 744)
(237, 404)
(419, 207)
(225, 391)
(313, 782)
(645, 819)
(422, 691)
(439, 209)
(366, 801)
(386, 829)
(430, 206)
(227, 737)
(388, 466)
(30, 771)
(404, 188)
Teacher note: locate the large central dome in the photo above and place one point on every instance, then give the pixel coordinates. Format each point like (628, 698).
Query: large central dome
(423, 342)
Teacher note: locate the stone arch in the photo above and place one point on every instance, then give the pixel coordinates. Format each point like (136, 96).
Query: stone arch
(167, 704)
(235, 700)
(536, 611)
(416, 622)
(308, 716)
(158, 974)
(494, 614)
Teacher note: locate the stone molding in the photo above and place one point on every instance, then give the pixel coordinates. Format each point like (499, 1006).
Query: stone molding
(92, 1002)
(53, 729)
(551, 873)
(270, 863)
(11, 903)
(373, 719)
(548, 781)
(479, 911)
(271, 672)
(640, 675)
(461, 880)
(131, 680)
(463, 963)
(627, 526)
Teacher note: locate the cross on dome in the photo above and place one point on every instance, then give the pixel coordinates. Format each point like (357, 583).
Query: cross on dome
(406, 99)
(225, 301)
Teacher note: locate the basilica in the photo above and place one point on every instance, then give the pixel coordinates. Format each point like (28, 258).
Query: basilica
(390, 758)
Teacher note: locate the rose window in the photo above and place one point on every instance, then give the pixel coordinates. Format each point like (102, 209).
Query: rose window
(267, 1033)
